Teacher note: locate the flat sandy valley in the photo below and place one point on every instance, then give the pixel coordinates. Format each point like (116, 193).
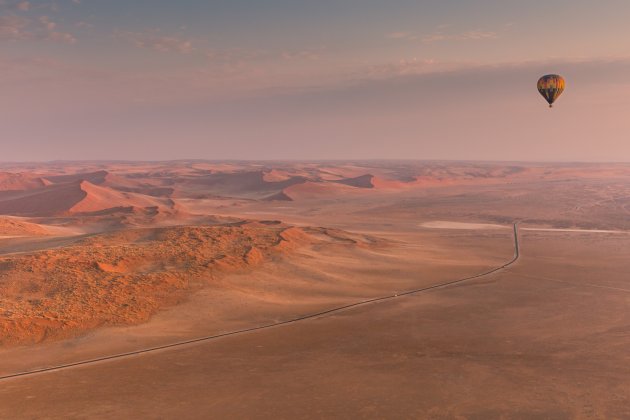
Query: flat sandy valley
(144, 270)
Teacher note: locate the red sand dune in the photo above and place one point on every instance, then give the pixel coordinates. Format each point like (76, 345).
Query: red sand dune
(99, 198)
(248, 184)
(19, 181)
(54, 199)
(276, 175)
(381, 183)
(97, 177)
(12, 226)
(363, 181)
(309, 189)
(281, 196)
(73, 197)
(341, 171)
(102, 178)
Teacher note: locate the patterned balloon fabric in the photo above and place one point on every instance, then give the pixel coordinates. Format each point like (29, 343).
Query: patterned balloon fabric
(551, 87)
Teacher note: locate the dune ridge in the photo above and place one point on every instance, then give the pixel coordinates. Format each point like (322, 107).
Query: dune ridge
(124, 277)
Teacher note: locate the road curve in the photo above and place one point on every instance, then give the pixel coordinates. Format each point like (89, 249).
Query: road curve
(273, 325)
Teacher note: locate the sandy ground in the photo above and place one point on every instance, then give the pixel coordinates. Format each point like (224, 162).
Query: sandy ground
(283, 289)
(516, 345)
(461, 225)
(546, 338)
(576, 230)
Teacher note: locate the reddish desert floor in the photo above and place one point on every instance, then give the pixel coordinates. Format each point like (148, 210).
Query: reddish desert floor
(99, 258)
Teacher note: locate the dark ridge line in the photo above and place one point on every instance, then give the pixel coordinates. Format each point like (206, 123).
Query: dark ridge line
(267, 326)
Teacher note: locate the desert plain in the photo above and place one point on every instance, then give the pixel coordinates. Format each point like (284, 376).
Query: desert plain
(142, 269)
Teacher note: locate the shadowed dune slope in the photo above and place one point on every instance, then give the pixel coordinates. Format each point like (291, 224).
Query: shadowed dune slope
(250, 184)
(50, 200)
(363, 181)
(97, 177)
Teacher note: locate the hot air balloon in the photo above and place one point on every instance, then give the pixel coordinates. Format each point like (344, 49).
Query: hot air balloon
(551, 87)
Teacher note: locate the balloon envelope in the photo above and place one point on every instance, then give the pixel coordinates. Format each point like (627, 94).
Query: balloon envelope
(551, 87)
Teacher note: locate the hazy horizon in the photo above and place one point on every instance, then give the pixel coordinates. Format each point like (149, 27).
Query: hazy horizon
(322, 160)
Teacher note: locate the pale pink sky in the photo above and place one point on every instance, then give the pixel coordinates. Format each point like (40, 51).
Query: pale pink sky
(340, 79)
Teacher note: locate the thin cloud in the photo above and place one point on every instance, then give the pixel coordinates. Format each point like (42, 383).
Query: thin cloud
(229, 60)
(18, 28)
(475, 35)
(401, 35)
(14, 28)
(301, 54)
(156, 41)
(53, 33)
(403, 67)
(24, 6)
(441, 35)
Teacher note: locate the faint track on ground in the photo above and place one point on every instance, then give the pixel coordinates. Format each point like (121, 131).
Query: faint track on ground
(572, 283)
(269, 326)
